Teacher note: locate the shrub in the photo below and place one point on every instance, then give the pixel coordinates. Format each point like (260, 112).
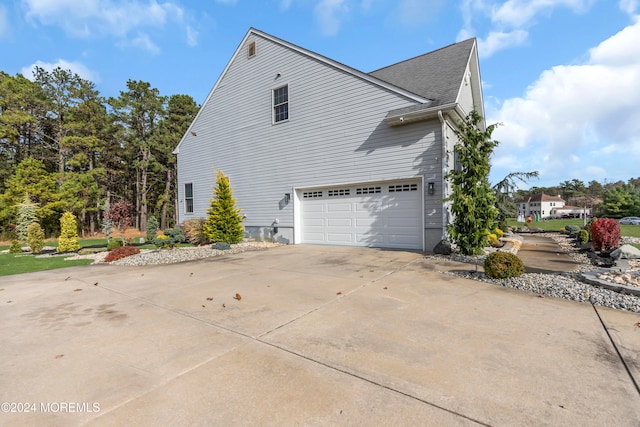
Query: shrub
(583, 236)
(193, 230)
(15, 247)
(224, 223)
(152, 228)
(498, 232)
(571, 229)
(35, 237)
(68, 240)
(605, 234)
(493, 240)
(121, 252)
(114, 243)
(170, 239)
(500, 265)
(26, 216)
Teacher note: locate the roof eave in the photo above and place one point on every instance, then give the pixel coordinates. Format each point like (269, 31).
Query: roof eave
(405, 116)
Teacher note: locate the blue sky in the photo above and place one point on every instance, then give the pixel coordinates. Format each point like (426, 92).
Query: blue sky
(561, 76)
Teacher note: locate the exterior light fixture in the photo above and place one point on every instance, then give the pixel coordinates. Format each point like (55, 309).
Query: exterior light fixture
(287, 197)
(431, 188)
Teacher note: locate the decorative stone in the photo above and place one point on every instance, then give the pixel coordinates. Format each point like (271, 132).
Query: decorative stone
(626, 252)
(442, 248)
(221, 246)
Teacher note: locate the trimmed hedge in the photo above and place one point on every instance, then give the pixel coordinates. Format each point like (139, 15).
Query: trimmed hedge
(500, 265)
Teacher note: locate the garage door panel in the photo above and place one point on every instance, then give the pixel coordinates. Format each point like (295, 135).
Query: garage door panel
(340, 222)
(377, 215)
(340, 238)
(339, 207)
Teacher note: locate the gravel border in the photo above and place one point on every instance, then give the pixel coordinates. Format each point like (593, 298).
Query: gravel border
(567, 285)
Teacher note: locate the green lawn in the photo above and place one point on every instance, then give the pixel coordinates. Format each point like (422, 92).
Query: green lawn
(19, 263)
(558, 224)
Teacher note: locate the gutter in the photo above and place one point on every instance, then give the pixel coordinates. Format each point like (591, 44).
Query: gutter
(444, 172)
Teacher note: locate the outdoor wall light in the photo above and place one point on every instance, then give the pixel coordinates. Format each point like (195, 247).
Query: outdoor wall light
(431, 188)
(287, 197)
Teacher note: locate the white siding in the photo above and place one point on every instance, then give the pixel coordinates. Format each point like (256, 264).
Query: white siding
(335, 134)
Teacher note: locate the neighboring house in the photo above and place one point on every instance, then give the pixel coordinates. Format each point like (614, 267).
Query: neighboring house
(318, 152)
(542, 205)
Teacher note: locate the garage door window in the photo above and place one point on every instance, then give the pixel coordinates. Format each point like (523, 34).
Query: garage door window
(368, 190)
(403, 187)
(339, 192)
(311, 194)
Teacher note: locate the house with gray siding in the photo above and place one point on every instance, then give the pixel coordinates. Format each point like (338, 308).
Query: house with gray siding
(318, 152)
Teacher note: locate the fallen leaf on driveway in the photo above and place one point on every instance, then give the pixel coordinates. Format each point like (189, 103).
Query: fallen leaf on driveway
(95, 284)
(59, 356)
(637, 324)
(209, 298)
(67, 278)
(223, 306)
(238, 297)
(77, 289)
(338, 293)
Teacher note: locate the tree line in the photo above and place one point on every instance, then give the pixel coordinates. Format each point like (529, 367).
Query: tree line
(66, 148)
(609, 199)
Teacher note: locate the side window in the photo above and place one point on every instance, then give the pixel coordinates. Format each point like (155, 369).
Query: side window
(281, 104)
(188, 197)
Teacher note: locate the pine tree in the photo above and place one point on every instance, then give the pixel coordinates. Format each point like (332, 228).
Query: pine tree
(473, 200)
(224, 223)
(26, 216)
(152, 228)
(68, 240)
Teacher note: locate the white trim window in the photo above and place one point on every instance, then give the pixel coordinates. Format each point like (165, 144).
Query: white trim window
(281, 104)
(188, 197)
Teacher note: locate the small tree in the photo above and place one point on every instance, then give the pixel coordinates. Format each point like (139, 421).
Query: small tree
(26, 216)
(107, 225)
(35, 237)
(224, 223)
(152, 228)
(120, 216)
(504, 195)
(473, 200)
(68, 240)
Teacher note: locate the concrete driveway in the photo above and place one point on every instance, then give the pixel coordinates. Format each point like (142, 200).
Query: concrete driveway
(320, 336)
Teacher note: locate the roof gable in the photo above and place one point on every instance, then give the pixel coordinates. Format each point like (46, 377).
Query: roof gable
(436, 75)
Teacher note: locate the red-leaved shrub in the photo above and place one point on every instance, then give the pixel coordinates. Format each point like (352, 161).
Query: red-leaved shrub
(605, 234)
(121, 252)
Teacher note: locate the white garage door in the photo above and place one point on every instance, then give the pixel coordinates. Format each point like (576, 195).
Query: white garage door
(385, 215)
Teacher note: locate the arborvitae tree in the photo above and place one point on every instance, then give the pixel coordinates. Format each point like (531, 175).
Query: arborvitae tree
(473, 200)
(35, 238)
(152, 228)
(224, 223)
(68, 240)
(26, 216)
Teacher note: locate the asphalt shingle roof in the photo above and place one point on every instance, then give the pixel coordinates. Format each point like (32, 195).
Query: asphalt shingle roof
(435, 75)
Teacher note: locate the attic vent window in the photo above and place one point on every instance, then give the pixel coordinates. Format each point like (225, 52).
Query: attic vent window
(281, 104)
(251, 50)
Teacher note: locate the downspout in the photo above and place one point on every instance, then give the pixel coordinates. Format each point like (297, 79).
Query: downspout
(444, 173)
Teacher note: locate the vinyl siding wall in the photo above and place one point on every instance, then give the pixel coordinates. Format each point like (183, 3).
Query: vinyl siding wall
(335, 135)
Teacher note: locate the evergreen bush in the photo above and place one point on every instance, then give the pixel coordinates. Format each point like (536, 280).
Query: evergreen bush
(114, 243)
(171, 238)
(68, 240)
(583, 236)
(501, 265)
(15, 247)
(152, 228)
(35, 238)
(26, 216)
(224, 223)
(571, 229)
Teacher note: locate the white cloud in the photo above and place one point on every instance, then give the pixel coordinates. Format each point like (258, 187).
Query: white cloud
(578, 119)
(329, 14)
(510, 20)
(144, 42)
(417, 12)
(4, 23)
(499, 40)
(285, 4)
(100, 18)
(629, 6)
(518, 13)
(192, 36)
(74, 66)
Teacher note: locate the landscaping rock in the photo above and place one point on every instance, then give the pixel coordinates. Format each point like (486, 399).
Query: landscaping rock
(442, 248)
(221, 246)
(626, 252)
